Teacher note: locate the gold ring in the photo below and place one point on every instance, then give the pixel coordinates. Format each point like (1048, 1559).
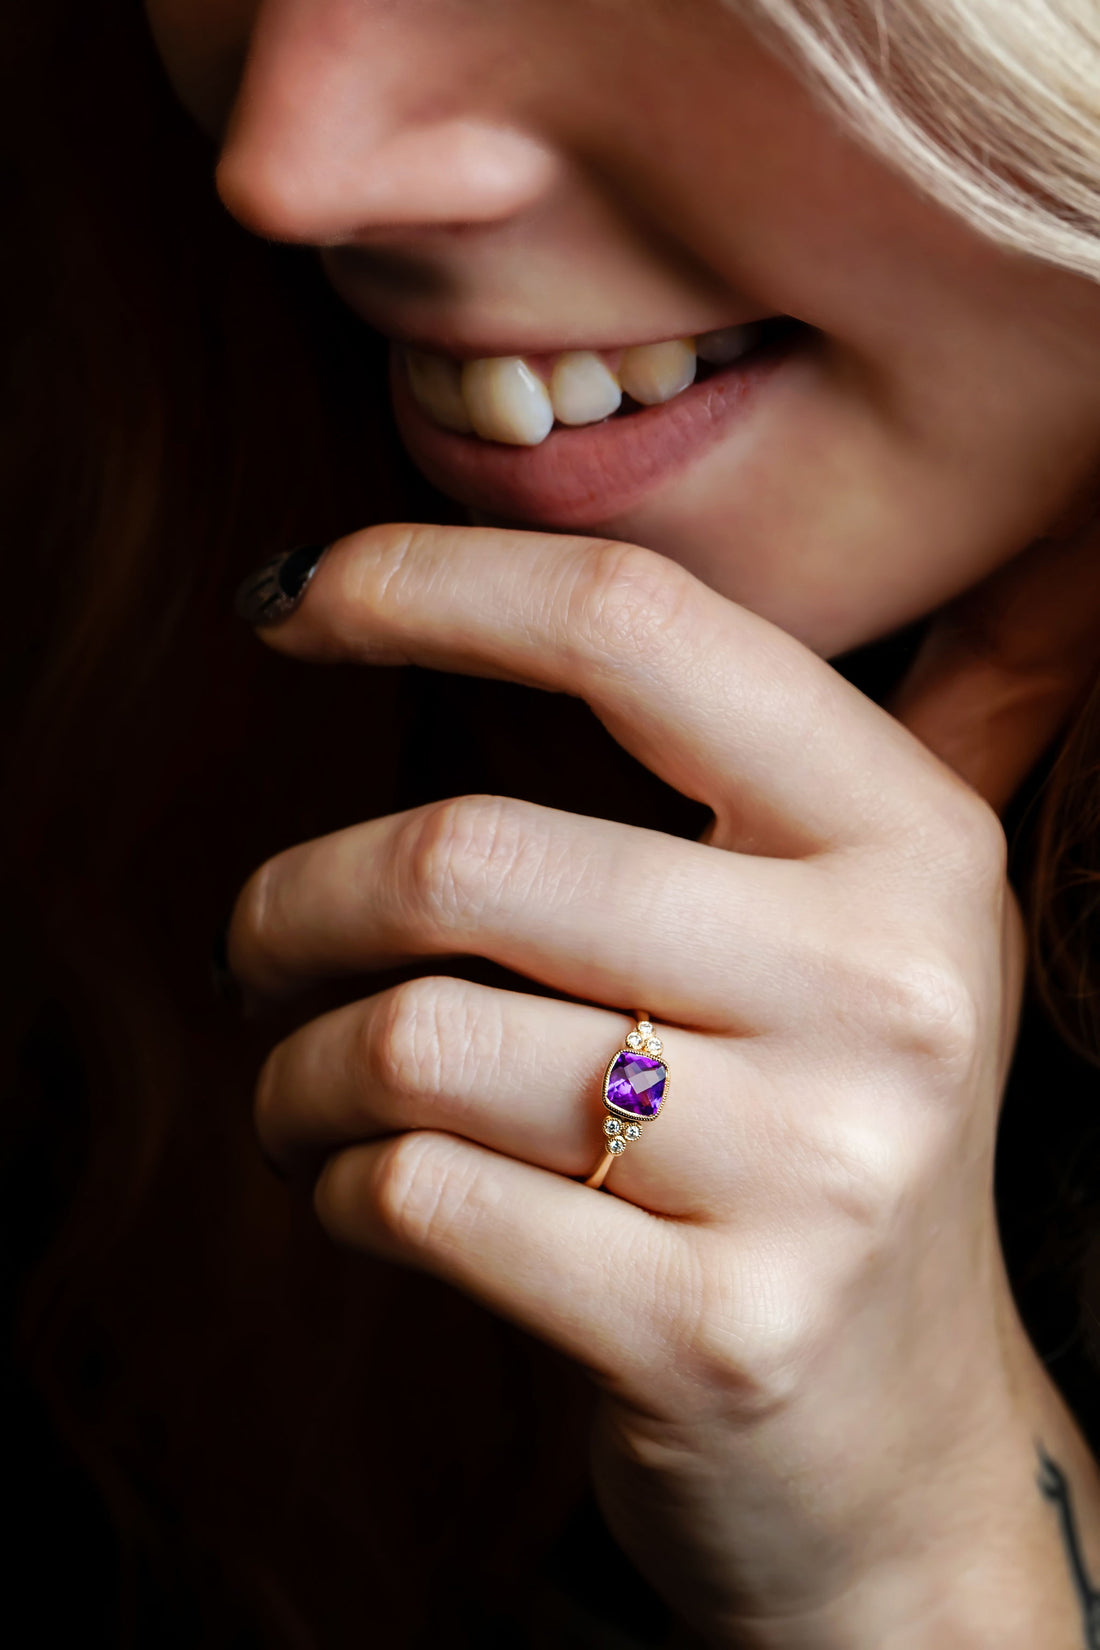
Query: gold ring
(635, 1087)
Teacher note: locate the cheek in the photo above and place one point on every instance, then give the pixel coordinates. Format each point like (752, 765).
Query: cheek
(826, 520)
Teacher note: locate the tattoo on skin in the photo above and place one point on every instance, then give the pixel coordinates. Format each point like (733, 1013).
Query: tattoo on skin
(1055, 1487)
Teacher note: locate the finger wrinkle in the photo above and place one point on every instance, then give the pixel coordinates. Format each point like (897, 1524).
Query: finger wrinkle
(374, 581)
(423, 1190)
(627, 603)
(462, 851)
(404, 1052)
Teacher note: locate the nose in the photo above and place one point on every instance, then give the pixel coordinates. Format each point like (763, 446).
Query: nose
(350, 122)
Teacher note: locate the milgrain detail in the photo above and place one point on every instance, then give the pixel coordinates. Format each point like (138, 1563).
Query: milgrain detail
(1054, 1486)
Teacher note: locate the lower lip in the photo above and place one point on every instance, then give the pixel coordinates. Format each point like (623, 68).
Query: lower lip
(580, 477)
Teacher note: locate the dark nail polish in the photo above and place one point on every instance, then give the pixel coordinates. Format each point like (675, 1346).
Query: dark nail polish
(276, 589)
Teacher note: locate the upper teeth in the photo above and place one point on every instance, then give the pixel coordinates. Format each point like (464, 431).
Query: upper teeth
(506, 401)
(503, 398)
(435, 381)
(582, 388)
(653, 373)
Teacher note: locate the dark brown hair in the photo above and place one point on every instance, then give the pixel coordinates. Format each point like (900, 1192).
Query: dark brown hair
(283, 1444)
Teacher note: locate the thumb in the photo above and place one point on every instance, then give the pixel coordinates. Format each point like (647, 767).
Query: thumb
(1003, 665)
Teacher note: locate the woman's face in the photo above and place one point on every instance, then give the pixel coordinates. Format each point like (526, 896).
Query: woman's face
(488, 179)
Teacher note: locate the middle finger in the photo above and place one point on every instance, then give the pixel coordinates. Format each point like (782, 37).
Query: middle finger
(599, 910)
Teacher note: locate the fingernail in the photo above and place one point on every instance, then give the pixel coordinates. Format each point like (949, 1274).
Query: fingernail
(273, 591)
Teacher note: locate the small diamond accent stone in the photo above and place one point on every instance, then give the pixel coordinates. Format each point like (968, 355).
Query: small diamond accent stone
(611, 1125)
(632, 1131)
(644, 1028)
(653, 1045)
(616, 1146)
(633, 1040)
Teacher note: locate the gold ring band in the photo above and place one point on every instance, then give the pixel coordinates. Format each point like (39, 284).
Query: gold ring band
(635, 1088)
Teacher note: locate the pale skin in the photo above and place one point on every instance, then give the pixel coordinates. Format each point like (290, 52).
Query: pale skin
(819, 1411)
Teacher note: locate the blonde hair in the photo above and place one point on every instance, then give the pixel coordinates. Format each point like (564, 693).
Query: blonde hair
(991, 106)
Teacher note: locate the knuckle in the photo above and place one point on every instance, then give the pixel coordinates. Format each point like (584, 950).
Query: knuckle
(759, 1317)
(857, 1167)
(752, 1332)
(460, 853)
(970, 842)
(417, 1191)
(624, 596)
(939, 1013)
(926, 1008)
(402, 1044)
(985, 845)
(433, 1038)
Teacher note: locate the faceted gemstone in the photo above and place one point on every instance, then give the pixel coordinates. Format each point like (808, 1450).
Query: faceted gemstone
(644, 1027)
(633, 1040)
(618, 1145)
(653, 1045)
(611, 1125)
(632, 1131)
(636, 1084)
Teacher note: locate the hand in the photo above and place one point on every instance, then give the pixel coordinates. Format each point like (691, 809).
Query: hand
(816, 1395)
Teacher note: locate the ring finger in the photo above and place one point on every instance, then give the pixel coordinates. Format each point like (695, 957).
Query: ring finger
(519, 1074)
(603, 911)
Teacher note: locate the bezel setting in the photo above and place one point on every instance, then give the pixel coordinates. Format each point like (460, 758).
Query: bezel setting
(621, 1111)
(621, 1125)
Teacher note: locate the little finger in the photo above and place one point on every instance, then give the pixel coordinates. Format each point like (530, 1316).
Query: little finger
(592, 1275)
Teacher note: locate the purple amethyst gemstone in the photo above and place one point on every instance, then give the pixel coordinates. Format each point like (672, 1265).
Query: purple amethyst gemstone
(636, 1084)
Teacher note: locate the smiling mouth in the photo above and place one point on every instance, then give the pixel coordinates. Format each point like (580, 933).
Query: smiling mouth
(520, 400)
(489, 434)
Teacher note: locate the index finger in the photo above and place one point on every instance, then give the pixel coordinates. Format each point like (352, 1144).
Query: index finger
(723, 705)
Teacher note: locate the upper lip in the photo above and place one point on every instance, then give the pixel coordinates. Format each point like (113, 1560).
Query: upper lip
(467, 345)
(465, 337)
